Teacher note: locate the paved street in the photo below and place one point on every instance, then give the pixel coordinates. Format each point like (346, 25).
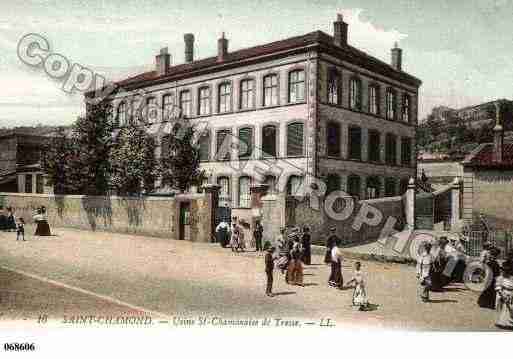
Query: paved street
(183, 279)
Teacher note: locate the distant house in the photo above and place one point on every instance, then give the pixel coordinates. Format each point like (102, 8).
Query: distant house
(20, 162)
(488, 181)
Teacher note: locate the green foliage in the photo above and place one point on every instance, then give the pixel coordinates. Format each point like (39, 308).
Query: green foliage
(181, 157)
(134, 167)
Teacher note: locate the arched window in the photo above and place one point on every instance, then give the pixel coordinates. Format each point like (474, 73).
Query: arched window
(406, 108)
(271, 90)
(373, 187)
(245, 142)
(225, 194)
(333, 139)
(355, 100)
(244, 192)
(247, 94)
(225, 97)
(297, 86)
(204, 101)
(391, 104)
(374, 99)
(390, 187)
(295, 139)
(271, 182)
(333, 87)
(269, 141)
(122, 109)
(332, 183)
(204, 146)
(295, 186)
(353, 186)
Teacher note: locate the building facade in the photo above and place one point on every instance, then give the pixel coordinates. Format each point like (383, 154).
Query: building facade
(286, 113)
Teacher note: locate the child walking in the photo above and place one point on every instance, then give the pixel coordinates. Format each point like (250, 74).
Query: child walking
(20, 230)
(360, 293)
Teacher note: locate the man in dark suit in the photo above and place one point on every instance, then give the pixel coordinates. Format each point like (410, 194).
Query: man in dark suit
(269, 268)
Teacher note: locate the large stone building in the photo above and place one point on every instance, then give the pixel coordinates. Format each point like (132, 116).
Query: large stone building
(310, 106)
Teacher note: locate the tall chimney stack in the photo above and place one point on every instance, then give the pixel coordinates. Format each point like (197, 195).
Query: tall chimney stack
(397, 58)
(189, 47)
(498, 134)
(340, 31)
(162, 61)
(222, 48)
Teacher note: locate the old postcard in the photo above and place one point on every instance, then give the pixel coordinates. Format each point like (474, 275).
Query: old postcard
(187, 167)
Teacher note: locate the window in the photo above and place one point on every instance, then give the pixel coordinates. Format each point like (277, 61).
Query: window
(270, 90)
(403, 186)
(391, 149)
(28, 183)
(389, 187)
(40, 183)
(332, 183)
(167, 107)
(353, 186)
(355, 94)
(245, 142)
(295, 139)
(151, 110)
(244, 192)
(374, 99)
(204, 147)
(333, 87)
(391, 104)
(406, 151)
(185, 103)
(122, 114)
(355, 143)
(223, 149)
(271, 182)
(136, 111)
(164, 146)
(204, 101)
(225, 194)
(269, 138)
(296, 86)
(373, 185)
(374, 146)
(247, 99)
(294, 186)
(333, 139)
(406, 108)
(225, 97)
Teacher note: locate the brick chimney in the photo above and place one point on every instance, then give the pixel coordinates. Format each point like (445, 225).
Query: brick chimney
(397, 57)
(222, 48)
(340, 31)
(189, 47)
(162, 61)
(498, 135)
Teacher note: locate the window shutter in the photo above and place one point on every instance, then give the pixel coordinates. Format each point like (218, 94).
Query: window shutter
(245, 142)
(295, 139)
(269, 141)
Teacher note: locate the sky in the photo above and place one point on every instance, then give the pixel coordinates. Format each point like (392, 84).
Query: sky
(461, 50)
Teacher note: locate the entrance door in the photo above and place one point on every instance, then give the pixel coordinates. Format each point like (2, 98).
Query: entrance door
(185, 228)
(424, 211)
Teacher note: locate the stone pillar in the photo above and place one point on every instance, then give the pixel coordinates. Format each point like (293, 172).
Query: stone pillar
(455, 203)
(410, 205)
(213, 190)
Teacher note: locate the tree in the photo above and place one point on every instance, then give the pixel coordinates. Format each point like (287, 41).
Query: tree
(134, 167)
(93, 135)
(181, 157)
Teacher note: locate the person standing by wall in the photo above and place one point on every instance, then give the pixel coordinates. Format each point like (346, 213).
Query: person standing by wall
(336, 279)
(234, 237)
(258, 234)
(424, 268)
(307, 247)
(295, 268)
(20, 230)
(11, 220)
(269, 269)
(330, 243)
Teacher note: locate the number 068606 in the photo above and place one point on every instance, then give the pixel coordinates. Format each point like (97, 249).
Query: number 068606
(19, 347)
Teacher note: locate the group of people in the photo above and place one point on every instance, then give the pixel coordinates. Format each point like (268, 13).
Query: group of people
(437, 267)
(9, 223)
(234, 237)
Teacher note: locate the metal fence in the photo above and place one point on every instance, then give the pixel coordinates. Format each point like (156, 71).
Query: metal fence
(474, 241)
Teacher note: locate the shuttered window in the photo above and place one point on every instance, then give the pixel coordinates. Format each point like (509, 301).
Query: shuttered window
(296, 86)
(246, 94)
(185, 103)
(270, 90)
(295, 186)
(151, 110)
(373, 185)
(374, 99)
(225, 194)
(333, 87)
(389, 187)
(295, 139)
(391, 104)
(204, 101)
(223, 149)
(406, 108)
(270, 181)
(353, 186)
(167, 107)
(245, 142)
(391, 149)
(355, 143)
(374, 146)
(122, 109)
(355, 94)
(332, 183)
(406, 151)
(204, 147)
(269, 141)
(244, 192)
(333, 139)
(225, 97)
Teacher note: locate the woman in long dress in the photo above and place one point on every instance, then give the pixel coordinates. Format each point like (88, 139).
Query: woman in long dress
(42, 227)
(360, 299)
(487, 297)
(307, 246)
(234, 238)
(504, 288)
(424, 270)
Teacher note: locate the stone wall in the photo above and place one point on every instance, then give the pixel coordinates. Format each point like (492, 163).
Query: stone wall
(153, 216)
(440, 173)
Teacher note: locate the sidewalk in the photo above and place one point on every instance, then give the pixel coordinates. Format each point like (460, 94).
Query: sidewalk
(183, 278)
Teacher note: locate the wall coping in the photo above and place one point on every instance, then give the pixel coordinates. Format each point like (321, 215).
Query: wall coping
(143, 198)
(382, 200)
